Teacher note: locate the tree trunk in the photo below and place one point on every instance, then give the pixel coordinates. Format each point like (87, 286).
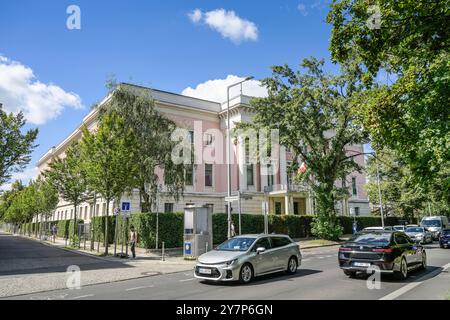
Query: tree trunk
(94, 213)
(75, 220)
(106, 227)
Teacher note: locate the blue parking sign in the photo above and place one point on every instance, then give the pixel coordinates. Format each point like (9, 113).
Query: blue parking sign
(187, 248)
(126, 206)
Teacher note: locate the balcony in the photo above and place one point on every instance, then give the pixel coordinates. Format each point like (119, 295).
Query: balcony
(284, 188)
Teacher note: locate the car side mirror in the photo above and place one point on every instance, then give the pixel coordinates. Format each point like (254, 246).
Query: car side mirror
(260, 250)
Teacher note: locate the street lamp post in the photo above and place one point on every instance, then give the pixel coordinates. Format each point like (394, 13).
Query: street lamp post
(229, 149)
(379, 193)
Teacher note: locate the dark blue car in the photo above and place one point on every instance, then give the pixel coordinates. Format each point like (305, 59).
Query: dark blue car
(444, 238)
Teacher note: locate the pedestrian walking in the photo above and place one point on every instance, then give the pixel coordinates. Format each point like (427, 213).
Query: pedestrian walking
(233, 229)
(355, 227)
(133, 239)
(54, 232)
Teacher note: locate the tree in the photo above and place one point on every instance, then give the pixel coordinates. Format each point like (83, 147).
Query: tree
(152, 132)
(411, 43)
(47, 199)
(15, 146)
(7, 198)
(313, 113)
(108, 157)
(400, 196)
(68, 176)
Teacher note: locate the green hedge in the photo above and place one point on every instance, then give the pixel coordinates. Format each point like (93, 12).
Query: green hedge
(171, 227)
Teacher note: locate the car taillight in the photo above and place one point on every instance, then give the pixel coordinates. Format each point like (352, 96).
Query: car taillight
(345, 249)
(382, 250)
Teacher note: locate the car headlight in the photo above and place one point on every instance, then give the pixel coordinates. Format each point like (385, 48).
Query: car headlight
(230, 263)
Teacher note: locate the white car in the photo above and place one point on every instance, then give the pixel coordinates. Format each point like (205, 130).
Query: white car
(377, 229)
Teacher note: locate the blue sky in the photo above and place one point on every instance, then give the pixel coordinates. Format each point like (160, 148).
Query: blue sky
(153, 43)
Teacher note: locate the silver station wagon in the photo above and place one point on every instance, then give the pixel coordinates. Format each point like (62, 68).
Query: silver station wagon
(244, 257)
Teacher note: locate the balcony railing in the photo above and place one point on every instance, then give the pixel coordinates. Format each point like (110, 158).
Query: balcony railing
(285, 187)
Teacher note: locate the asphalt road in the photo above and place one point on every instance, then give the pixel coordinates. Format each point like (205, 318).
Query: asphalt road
(317, 278)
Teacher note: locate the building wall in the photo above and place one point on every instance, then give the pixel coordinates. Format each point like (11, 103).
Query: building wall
(208, 118)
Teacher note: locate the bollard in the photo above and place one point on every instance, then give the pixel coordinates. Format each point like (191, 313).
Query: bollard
(162, 255)
(206, 247)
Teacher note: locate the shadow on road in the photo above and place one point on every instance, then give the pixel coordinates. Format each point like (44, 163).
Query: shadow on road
(413, 276)
(21, 256)
(274, 277)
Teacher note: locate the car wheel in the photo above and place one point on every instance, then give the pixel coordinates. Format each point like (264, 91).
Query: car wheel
(402, 274)
(292, 265)
(246, 273)
(350, 274)
(424, 261)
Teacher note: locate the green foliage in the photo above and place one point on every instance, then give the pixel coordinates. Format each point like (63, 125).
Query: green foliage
(411, 115)
(108, 159)
(325, 228)
(313, 113)
(152, 133)
(68, 177)
(15, 146)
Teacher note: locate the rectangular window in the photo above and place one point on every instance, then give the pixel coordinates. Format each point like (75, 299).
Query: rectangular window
(269, 175)
(208, 175)
(208, 139)
(189, 172)
(278, 208)
(354, 189)
(356, 211)
(250, 175)
(168, 207)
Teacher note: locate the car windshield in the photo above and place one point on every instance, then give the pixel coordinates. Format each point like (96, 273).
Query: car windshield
(399, 228)
(236, 244)
(414, 230)
(372, 238)
(446, 232)
(431, 223)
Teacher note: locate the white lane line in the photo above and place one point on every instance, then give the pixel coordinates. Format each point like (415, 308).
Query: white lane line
(81, 297)
(412, 285)
(190, 279)
(139, 288)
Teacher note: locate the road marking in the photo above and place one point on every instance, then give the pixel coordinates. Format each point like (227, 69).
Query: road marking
(81, 297)
(190, 279)
(412, 285)
(138, 288)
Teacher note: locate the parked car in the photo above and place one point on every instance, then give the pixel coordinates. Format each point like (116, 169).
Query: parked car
(245, 257)
(419, 234)
(378, 229)
(444, 239)
(391, 251)
(435, 224)
(399, 228)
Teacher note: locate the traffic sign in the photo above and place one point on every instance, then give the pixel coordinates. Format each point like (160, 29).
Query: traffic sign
(126, 206)
(231, 199)
(116, 211)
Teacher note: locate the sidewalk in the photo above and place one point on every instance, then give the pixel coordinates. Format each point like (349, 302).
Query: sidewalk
(95, 269)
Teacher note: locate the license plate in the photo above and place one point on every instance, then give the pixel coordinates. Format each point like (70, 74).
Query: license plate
(204, 271)
(361, 264)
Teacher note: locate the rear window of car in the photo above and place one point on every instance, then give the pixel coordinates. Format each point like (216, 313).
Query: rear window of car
(280, 241)
(372, 238)
(414, 230)
(446, 232)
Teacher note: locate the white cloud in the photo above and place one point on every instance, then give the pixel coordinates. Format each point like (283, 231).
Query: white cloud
(302, 8)
(196, 15)
(216, 90)
(228, 24)
(28, 174)
(21, 91)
